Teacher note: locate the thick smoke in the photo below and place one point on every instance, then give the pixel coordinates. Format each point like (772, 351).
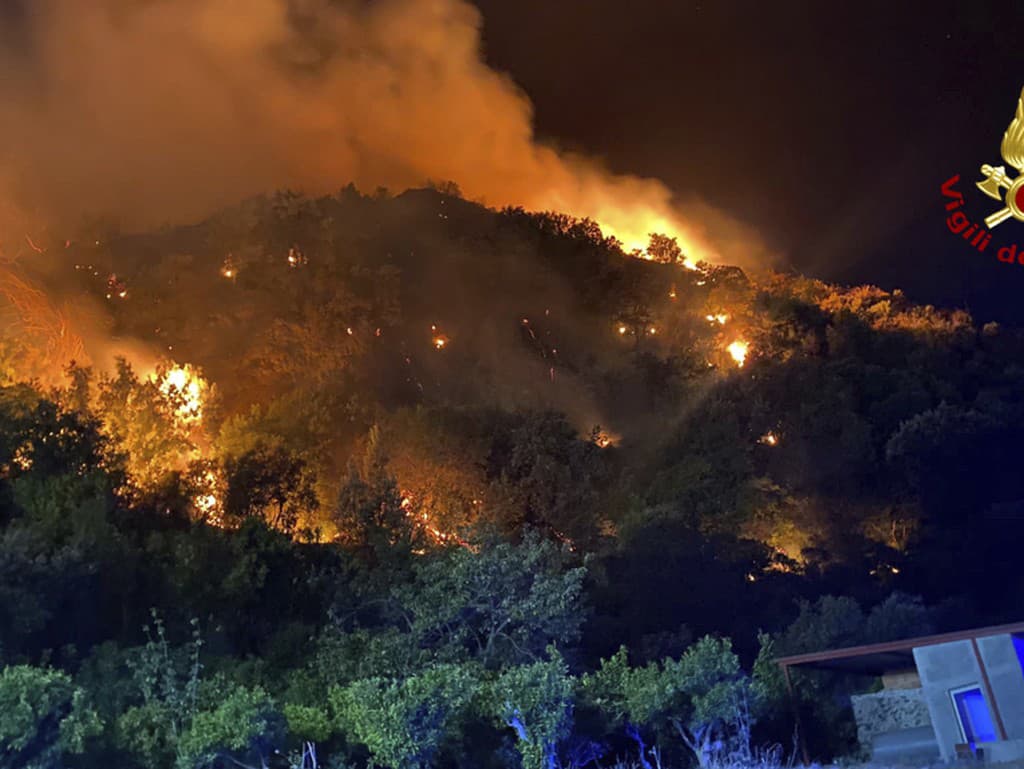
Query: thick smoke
(162, 110)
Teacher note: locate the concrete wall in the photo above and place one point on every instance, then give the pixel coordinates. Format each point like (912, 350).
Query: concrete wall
(953, 665)
(1007, 680)
(943, 667)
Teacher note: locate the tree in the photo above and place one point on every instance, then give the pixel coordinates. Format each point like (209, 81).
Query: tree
(662, 248)
(504, 603)
(43, 717)
(536, 702)
(628, 698)
(271, 483)
(545, 476)
(140, 421)
(404, 722)
(241, 724)
(369, 513)
(704, 696)
(189, 722)
(36, 579)
(717, 696)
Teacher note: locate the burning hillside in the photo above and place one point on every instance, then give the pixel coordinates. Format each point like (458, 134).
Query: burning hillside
(296, 325)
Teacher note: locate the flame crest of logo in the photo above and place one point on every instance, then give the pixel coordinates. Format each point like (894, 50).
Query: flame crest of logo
(996, 184)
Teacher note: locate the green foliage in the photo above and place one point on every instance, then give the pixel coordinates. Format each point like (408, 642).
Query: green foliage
(404, 722)
(536, 702)
(241, 723)
(704, 695)
(308, 723)
(43, 717)
(168, 685)
(502, 602)
(191, 722)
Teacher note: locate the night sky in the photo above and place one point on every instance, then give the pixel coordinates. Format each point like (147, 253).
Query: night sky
(830, 126)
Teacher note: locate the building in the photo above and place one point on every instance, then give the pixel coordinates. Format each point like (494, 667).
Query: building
(943, 696)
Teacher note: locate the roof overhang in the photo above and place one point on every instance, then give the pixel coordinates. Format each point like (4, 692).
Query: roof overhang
(876, 659)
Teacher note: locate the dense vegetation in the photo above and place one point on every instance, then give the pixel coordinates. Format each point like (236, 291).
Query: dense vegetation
(472, 488)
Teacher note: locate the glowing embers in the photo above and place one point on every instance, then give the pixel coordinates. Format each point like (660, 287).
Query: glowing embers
(602, 438)
(229, 270)
(623, 330)
(438, 339)
(116, 289)
(207, 497)
(22, 457)
(420, 518)
(738, 351)
(186, 391)
(720, 318)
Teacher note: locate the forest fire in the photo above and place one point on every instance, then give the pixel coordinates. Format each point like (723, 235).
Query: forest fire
(185, 389)
(738, 351)
(207, 500)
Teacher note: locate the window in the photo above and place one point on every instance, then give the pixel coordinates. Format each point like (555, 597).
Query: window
(1018, 646)
(974, 716)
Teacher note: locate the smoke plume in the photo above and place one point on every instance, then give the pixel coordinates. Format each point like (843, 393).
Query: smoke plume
(162, 110)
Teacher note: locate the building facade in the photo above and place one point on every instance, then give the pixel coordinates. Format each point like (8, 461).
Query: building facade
(943, 696)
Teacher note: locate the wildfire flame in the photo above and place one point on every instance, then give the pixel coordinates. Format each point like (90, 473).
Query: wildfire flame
(634, 238)
(769, 439)
(184, 386)
(738, 351)
(207, 501)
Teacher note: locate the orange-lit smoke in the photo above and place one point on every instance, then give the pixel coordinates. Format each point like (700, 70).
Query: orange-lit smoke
(160, 111)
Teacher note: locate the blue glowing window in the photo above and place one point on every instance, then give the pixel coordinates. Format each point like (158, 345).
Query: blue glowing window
(975, 719)
(1018, 646)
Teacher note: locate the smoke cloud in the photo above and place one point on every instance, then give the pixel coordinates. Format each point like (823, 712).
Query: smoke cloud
(163, 110)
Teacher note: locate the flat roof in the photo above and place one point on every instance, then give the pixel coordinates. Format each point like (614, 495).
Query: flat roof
(876, 659)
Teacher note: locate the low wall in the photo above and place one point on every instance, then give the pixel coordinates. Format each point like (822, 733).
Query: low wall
(890, 710)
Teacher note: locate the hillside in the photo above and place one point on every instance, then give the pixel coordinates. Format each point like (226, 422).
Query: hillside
(353, 373)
